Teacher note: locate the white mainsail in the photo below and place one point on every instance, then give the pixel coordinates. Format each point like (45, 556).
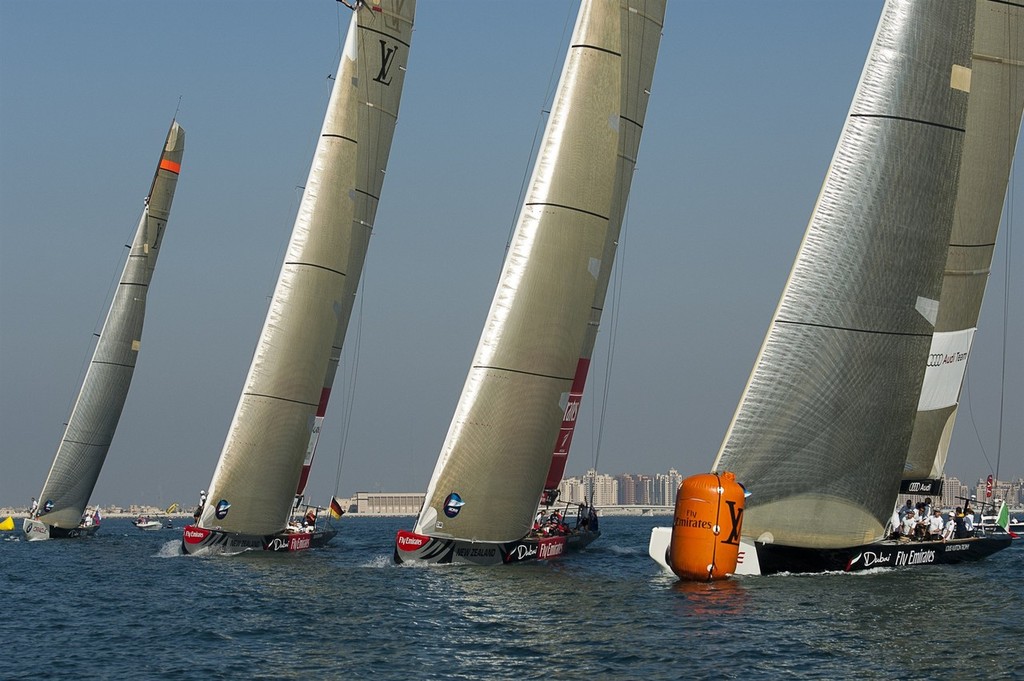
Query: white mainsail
(260, 466)
(492, 466)
(823, 427)
(90, 429)
(994, 110)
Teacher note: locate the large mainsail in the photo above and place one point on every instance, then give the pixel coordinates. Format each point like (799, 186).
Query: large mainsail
(260, 465)
(492, 466)
(993, 122)
(383, 34)
(90, 430)
(821, 433)
(641, 25)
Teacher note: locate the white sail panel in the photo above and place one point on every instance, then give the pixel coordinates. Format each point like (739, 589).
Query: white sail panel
(258, 472)
(947, 362)
(90, 429)
(821, 433)
(498, 448)
(994, 109)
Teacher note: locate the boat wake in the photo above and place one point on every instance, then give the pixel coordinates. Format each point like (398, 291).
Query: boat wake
(170, 549)
(381, 561)
(620, 550)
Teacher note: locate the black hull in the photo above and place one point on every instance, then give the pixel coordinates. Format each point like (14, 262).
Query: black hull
(417, 548)
(74, 532)
(201, 541)
(774, 559)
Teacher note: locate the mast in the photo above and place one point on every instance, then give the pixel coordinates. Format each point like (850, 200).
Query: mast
(90, 429)
(277, 416)
(994, 108)
(821, 432)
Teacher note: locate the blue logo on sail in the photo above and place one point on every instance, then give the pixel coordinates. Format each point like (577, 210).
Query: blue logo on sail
(453, 503)
(222, 509)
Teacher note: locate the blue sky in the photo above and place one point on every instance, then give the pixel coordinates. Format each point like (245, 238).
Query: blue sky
(748, 101)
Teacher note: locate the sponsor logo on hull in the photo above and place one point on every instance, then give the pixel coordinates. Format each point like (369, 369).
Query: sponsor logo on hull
(195, 535)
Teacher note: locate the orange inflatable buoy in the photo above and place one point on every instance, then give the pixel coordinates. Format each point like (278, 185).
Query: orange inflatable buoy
(706, 529)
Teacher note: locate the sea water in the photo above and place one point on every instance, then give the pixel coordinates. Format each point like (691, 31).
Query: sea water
(126, 605)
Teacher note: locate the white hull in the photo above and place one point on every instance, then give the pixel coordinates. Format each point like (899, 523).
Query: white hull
(35, 530)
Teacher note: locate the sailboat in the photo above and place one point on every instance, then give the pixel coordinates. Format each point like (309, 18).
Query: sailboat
(855, 389)
(90, 430)
(264, 465)
(506, 447)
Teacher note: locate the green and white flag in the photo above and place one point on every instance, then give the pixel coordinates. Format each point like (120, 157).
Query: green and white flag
(1003, 519)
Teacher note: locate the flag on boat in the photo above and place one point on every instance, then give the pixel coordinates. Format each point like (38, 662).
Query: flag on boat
(336, 510)
(96, 517)
(1003, 520)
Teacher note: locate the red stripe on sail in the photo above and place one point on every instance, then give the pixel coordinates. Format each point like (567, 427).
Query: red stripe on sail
(325, 395)
(561, 454)
(321, 411)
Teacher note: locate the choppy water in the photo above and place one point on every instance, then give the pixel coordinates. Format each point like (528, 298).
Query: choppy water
(124, 605)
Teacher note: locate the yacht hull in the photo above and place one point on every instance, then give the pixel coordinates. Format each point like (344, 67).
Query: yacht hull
(411, 547)
(36, 530)
(757, 558)
(202, 542)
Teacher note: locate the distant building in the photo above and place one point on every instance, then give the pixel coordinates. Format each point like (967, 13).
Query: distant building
(666, 486)
(386, 503)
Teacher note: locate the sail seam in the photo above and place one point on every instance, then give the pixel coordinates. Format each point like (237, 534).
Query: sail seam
(562, 205)
(521, 372)
(299, 263)
(596, 48)
(340, 137)
(1007, 2)
(283, 399)
(910, 120)
(366, 193)
(850, 328)
(985, 245)
(630, 120)
(114, 364)
(87, 444)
